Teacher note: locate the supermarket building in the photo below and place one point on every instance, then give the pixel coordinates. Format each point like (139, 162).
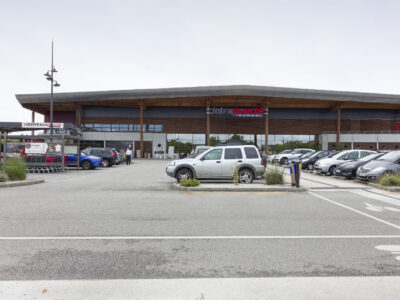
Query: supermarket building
(264, 115)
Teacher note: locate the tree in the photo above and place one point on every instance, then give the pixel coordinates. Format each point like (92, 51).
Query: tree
(214, 141)
(236, 137)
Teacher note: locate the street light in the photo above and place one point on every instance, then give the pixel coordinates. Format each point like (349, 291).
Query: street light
(50, 76)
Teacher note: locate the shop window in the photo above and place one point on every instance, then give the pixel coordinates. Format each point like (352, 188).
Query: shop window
(123, 127)
(114, 127)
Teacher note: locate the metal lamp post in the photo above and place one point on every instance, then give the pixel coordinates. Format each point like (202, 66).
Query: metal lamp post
(50, 76)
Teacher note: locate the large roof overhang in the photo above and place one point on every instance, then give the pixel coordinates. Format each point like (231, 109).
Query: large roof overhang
(241, 92)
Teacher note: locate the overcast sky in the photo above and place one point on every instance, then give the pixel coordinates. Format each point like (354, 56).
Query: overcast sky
(105, 45)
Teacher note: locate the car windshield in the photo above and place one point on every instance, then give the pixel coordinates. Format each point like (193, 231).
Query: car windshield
(308, 154)
(391, 156)
(337, 154)
(85, 152)
(285, 151)
(370, 157)
(201, 150)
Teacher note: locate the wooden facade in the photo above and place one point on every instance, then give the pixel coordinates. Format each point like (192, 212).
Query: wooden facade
(210, 124)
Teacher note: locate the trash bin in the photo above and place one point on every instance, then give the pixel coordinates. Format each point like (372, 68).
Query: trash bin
(295, 169)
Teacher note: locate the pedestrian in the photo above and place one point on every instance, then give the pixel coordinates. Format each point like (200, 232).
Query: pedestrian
(128, 155)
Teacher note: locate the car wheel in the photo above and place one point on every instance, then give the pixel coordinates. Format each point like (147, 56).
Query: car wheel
(183, 174)
(246, 176)
(106, 163)
(283, 161)
(332, 170)
(86, 165)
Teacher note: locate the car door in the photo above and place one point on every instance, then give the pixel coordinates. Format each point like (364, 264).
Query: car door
(209, 165)
(231, 158)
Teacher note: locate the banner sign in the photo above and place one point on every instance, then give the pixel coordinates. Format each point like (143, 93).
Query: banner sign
(42, 125)
(42, 148)
(239, 112)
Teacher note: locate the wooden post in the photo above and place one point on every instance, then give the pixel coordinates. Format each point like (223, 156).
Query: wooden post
(338, 126)
(141, 129)
(78, 121)
(266, 113)
(33, 121)
(208, 112)
(4, 147)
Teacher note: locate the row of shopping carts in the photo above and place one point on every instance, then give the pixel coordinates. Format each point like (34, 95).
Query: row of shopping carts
(47, 163)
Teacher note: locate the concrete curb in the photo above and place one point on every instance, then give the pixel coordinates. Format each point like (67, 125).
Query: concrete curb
(20, 183)
(385, 188)
(240, 188)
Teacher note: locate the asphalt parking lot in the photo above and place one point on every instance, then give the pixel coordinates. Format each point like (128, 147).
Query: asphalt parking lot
(126, 223)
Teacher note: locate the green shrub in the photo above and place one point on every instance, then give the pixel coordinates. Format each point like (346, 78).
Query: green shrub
(3, 177)
(273, 176)
(189, 182)
(235, 176)
(15, 169)
(390, 180)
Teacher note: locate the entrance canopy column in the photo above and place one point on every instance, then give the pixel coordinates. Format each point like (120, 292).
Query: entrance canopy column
(208, 112)
(266, 114)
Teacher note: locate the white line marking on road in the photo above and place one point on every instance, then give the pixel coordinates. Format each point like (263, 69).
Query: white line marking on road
(224, 237)
(355, 210)
(380, 197)
(394, 249)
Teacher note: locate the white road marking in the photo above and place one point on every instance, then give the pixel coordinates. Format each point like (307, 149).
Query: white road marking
(380, 197)
(355, 210)
(211, 237)
(377, 208)
(394, 249)
(373, 207)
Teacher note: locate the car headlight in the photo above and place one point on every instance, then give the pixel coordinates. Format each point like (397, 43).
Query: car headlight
(172, 163)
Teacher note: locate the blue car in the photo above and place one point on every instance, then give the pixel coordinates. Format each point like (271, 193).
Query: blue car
(86, 162)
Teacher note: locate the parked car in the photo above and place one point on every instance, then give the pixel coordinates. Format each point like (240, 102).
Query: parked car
(329, 164)
(308, 163)
(108, 155)
(198, 150)
(349, 169)
(283, 158)
(270, 158)
(86, 162)
(388, 163)
(119, 156)
(219, 163)
(301, 157)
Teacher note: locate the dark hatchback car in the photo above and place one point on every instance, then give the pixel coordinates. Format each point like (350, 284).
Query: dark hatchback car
(108, 155)
(308, 163)
(349, 169)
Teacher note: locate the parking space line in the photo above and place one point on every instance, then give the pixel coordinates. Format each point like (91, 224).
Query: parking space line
(355, 210)
(211, 237)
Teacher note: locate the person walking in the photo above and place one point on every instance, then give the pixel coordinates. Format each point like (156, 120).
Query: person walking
(128, 155)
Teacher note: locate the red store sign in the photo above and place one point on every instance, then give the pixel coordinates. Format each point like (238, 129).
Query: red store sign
(239, 112)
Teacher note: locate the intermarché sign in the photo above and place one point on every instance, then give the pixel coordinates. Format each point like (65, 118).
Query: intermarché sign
(239, 112)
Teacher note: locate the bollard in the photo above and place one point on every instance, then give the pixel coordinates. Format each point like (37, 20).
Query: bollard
(297, 170)
(292, 174)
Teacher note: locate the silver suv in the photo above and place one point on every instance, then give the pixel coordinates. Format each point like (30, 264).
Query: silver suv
(219, 163)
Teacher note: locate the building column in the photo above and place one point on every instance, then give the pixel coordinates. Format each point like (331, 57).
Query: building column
(208, 112)
(266, 114)
(141, 128)
(33, 121)
(78, 120)
(4, 146)
(339, 110)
